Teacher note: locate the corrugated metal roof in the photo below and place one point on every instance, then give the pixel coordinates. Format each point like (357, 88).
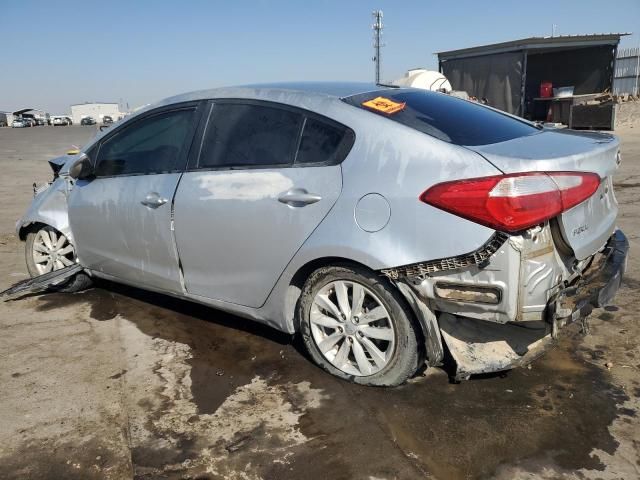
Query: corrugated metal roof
(532, 43)
(94, 103)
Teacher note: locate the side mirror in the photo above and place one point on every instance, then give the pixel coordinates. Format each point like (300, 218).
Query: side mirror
(81, 168)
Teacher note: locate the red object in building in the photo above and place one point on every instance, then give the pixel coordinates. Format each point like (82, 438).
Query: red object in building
(546, 90)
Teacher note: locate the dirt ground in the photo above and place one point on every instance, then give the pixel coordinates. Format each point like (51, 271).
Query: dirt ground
(119, 383)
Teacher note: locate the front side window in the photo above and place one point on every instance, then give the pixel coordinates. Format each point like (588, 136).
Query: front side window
(249, 135)
(151, 145)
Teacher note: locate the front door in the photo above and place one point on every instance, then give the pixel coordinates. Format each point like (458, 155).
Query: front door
(121, 220)
(266, 177)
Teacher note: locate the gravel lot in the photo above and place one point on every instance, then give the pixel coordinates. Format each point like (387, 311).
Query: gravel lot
(119, 383)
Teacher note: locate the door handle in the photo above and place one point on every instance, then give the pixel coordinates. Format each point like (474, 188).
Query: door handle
(153, 200)
(298, 197)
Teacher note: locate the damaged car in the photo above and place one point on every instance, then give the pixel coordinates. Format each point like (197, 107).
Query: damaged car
(380, 224)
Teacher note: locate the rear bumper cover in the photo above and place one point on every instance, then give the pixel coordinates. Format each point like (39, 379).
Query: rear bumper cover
(480, 346)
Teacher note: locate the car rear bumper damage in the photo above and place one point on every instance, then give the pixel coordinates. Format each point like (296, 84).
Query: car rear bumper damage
(502, 310)
(597, 286)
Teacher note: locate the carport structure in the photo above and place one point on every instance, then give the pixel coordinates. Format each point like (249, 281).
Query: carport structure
(22, 111)
(509, 74)
(31, 112)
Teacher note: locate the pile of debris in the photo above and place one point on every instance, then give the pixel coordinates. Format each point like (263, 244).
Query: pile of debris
(624, 110)
(627, 110)
(607, 97)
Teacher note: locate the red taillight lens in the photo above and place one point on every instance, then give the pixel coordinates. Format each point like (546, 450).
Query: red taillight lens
(513, 202)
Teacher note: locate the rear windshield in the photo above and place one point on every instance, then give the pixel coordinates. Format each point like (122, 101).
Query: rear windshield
(447, 118)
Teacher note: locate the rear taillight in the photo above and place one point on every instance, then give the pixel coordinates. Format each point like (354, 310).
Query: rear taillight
(513, 202)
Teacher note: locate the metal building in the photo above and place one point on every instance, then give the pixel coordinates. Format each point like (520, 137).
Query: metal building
(627, 74)
(97, 110)
(6, 118)
(509, 74)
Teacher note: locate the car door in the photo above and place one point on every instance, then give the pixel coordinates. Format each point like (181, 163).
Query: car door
(260, 187)
(122, 219)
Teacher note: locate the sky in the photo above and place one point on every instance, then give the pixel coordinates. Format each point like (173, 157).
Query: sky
(57, 53)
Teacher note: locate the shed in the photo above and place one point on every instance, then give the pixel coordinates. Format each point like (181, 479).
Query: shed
(509, 74)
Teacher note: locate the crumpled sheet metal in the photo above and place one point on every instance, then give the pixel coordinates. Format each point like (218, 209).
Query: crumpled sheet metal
(481, 347)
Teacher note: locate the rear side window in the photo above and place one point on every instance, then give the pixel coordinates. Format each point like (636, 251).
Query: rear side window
(448, 118)
(150, 145)
(323, 143)
(248, 135)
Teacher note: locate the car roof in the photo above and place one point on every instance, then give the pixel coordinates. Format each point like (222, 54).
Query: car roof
(301, 94)
(332, 89)
(335, 90)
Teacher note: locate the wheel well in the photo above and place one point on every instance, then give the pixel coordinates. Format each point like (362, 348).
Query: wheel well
(300, 277)
(30, 227)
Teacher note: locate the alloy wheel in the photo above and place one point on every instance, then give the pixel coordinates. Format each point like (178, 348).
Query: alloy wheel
(52, 251)
(352, 328)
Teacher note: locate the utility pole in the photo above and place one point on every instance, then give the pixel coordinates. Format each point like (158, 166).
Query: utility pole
(637, 92)
(377, 34)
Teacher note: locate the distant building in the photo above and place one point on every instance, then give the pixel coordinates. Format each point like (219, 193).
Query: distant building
(6, 118)
(96, 110)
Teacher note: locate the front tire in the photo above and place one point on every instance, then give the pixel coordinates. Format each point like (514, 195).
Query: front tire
(355, 325)
(47, 250)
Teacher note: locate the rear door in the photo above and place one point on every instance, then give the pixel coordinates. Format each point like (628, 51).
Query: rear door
(121, 220)
(266, 176)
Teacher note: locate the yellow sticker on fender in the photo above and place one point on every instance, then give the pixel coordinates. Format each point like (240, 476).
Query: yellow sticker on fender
(384, 105)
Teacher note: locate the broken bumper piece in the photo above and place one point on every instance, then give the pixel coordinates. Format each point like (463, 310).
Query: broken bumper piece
(42, 282)
(479, 346)
(596, 287)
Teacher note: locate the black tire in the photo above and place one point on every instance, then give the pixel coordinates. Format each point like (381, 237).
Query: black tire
(78, 282)
(405, 357)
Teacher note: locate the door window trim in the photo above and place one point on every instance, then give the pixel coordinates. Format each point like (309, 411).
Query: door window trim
(344, 148)
(195, 106)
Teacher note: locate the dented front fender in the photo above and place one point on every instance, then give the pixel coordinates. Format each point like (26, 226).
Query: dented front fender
(48, 207)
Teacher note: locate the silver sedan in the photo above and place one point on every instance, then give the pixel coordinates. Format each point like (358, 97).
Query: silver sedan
(377, 223)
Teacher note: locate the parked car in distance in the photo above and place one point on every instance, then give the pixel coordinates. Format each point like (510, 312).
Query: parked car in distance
(3, 123)
(88, 121)
(59, 121)
(35, 121)
(107, 120)
(376, 223)
(20, 123)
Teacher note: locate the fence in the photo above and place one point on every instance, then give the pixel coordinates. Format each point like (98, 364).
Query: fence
(627, 72)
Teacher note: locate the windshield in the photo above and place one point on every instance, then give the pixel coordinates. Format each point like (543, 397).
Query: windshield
(442, 116)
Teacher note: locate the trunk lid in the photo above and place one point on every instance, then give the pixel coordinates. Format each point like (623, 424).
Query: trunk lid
(587, 226)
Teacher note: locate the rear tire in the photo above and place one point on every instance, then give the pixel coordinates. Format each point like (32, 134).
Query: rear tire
(356, 326)
(41, 255)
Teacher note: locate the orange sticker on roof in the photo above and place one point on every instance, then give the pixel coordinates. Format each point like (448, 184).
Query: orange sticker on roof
(384, 105)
